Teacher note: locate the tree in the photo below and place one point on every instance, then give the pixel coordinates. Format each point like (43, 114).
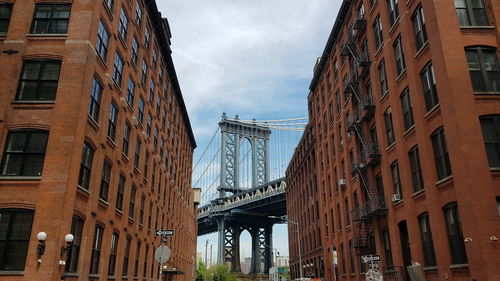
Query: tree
(214, 273)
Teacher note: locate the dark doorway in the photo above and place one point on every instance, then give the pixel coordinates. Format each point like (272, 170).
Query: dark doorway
(405, 247)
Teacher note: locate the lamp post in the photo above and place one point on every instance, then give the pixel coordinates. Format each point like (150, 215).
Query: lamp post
(298, 239)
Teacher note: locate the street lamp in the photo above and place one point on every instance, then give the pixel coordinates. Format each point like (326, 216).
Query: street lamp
(298, 239)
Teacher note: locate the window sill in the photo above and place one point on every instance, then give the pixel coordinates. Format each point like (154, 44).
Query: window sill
(83, 190)
(398, 203)
(379, 49)
(71, 274)
(93, 123)
(94, 275)
(432, 111)
(418, 194)
(110, 142)
(12, 273)
(394, 25)
(373, 7)
(125, 158)
(444, 181)
(486, 93)
(401, 75)
(408, 2)
(124, 277)
(409, 131)
(459, 266)
(495, 169)
(384, 95)
(478, 27)
(56, 36)
(131, 220)
(422, 49)
(21, 178)
(118, 212)
(430, 268)
(32, 102)
(26, 104)
(104, 203)
(111, 277)
(391, 146)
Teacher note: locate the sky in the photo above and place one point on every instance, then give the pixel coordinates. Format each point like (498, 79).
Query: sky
(254, 58)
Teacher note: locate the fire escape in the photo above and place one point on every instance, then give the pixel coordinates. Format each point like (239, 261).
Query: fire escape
(364, 109)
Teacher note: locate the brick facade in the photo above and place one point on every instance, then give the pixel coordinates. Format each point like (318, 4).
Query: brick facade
(161, 176)
(394, 132)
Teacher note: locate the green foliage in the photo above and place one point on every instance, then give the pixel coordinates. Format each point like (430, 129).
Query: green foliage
(214, 273)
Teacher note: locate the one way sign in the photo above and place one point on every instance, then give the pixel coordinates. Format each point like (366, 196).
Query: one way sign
(164, 232)
(370, 258)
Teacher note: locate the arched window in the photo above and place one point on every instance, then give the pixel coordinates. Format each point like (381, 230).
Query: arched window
(15, 231)
(76, 230)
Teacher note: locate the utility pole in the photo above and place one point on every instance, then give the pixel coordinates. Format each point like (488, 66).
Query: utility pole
(211, 245)
(206, 248)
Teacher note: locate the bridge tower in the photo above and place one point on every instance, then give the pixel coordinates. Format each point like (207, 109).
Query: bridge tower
(233, 132)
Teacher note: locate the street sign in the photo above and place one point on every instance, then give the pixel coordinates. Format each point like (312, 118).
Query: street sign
(164, 232)
(370, 258)
(162, 254)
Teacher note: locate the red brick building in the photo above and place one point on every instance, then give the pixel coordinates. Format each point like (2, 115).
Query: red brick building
(95, 142)
(405, 104)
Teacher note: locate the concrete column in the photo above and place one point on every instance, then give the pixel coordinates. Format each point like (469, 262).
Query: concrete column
(255, 267)
(236, 266)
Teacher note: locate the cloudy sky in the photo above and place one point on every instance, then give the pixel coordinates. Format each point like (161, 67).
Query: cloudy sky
(249, 57)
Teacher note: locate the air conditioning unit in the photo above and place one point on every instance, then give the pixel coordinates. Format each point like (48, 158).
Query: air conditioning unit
(342, 182)
(396, 197)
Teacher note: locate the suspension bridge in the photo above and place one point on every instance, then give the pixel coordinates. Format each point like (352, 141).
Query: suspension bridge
(242, 175)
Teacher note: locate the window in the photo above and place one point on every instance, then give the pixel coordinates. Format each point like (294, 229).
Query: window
(407, 111)
(158, 103)
(5, 12)
(339, 218)
(95, 100)
(96, 250)
(126, 256)
(112, 253)
(135, 50)
(416, 170)
(74, 253)
(15, 231)
(490, 126)
(138, 14)
(86, 166)
(429, 87)
(141, 209)
(147, 38)
(39, 79)
(419, 30)
(483, 69)
(396, 182)
(123, 25)
(347, 212)
(24, 153)
(110, 4)
(144, 72)
(154, 59)
(113, 119)
(471, 13)
(51, 19)
(455, 235)
(131, 209)
(392, 5)
(137, 153)
(146, 164)
(337, 101)
(126, 138)
(105, 179)
(388, 127)
(102, 41)
(377, 29)
(351, 257)
(136, 262)
(148, 124)
(130, 91)
(443, 167)
(140, 109)
(118, 70)
(386, 241)
(121, 191)
(151, 90)
(498, 205)
(427, 243)
(155, 138)
(399, 55)
(335, 68)
(383, 78)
